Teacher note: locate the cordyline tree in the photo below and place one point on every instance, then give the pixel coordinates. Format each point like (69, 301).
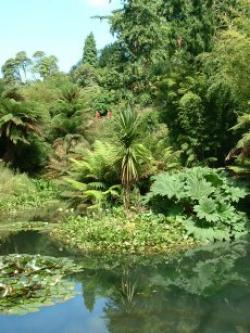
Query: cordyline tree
(133, 158)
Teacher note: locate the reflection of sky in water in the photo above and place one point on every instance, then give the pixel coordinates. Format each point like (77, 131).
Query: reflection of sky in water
(70, 317)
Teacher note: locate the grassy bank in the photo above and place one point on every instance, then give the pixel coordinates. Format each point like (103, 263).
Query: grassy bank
(25, 199)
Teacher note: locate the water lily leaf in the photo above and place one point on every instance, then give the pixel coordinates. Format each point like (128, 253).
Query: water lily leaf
(30, 282)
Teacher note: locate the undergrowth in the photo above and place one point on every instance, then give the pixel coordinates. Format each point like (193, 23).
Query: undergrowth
(142, 233)
(20, 194)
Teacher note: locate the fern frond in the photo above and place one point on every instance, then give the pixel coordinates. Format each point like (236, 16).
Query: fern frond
(75, 184)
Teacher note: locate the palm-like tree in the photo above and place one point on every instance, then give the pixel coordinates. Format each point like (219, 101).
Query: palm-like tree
(133, 157)
(125, 161)
(17, 121)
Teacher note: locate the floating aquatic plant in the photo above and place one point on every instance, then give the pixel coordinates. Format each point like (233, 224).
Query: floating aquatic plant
(30, 282)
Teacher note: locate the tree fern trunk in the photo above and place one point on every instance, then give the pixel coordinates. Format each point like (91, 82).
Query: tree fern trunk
(8, 155)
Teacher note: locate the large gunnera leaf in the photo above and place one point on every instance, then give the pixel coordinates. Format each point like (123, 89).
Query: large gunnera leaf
(169, 186)
(198, 189)
(207, 210)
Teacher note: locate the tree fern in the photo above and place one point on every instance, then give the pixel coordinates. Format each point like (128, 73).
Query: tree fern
(17, 121)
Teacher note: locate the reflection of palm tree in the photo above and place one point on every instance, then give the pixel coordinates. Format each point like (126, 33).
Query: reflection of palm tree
(95, 283)
(134, 303)
(128, 290)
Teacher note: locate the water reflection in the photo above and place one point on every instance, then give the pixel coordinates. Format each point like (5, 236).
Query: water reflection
(200, 291)
(30, 242)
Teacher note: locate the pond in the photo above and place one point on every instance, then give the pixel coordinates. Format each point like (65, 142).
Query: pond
(200, 290)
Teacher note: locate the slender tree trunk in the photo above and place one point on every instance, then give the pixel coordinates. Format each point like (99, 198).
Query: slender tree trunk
(127, 191)
(25, 74)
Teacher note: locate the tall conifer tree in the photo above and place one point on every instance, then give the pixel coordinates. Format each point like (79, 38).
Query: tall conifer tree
(90, 50)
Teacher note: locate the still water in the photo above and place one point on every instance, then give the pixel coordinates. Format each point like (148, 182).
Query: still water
(201, 290)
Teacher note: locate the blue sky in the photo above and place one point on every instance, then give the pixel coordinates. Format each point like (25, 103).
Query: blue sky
(56, 27)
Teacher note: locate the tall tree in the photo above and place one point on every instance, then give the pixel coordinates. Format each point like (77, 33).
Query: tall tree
(141, 33)
(10, 71)
(23, 62)
(193, 24)
(15, 69)
(45, 66)
(90, 51)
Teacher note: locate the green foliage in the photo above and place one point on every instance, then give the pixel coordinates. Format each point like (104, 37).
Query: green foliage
(90, 51)
(15, 69)
(64, 149)
(134, 158)
(116, 233)
(68, 112)
(44, 66)
(124, 161)
(18, 193)
(85, 75)
(230, 54)
(141, 31)
(199, 113)
(21, 68)
(21, 126)
(193, 24)
(206, 201)
(97, 164)
(240, 155)
(17, 119)
(203, 272)
(28, 283)
(10, 71)
(93, 181)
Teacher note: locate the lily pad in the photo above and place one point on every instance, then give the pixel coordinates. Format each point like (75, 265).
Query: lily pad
(28, 283)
